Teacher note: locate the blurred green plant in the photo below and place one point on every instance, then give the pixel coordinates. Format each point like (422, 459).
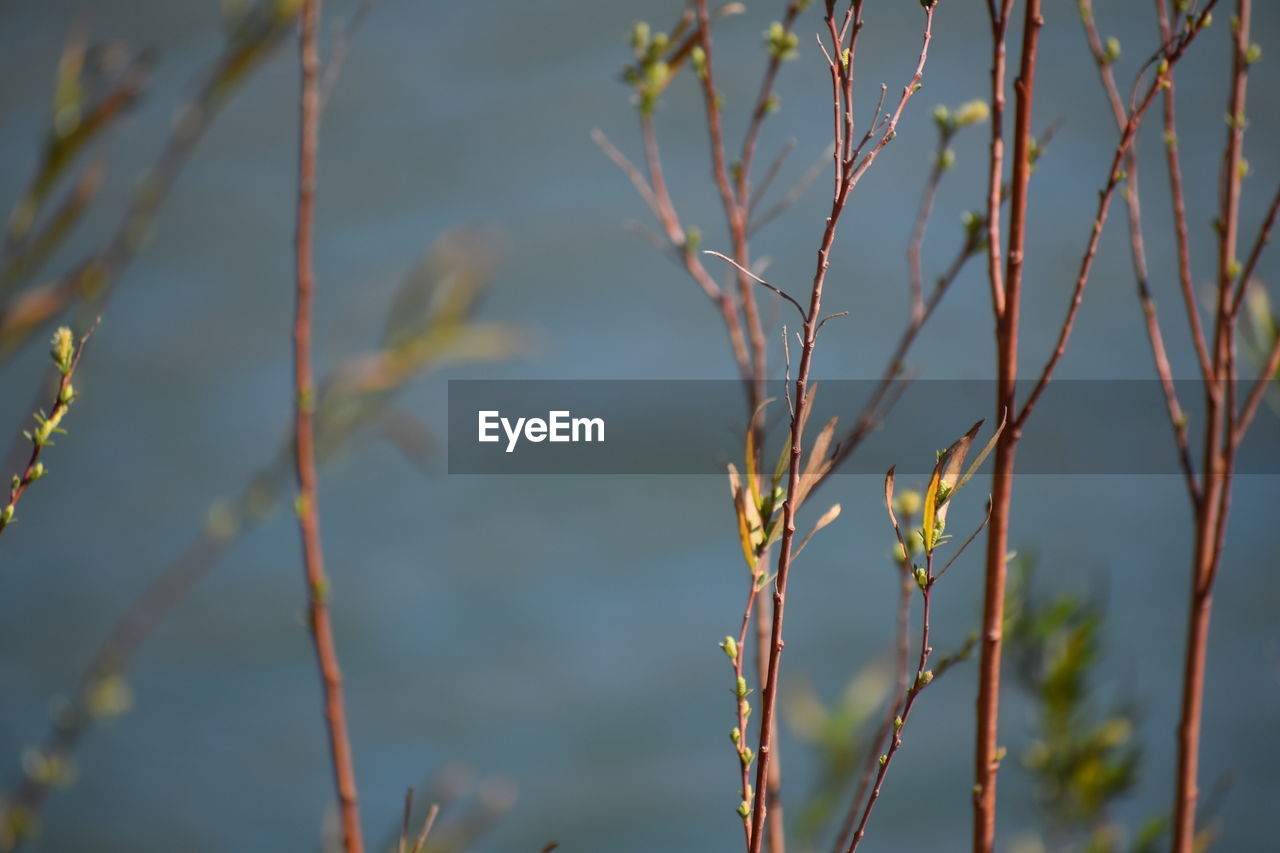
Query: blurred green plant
(1082, 758)
(94, 87)
(430, 325)
(1262, 336)
(837, 736)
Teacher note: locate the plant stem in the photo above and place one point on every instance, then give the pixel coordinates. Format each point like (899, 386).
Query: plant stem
(304, 438)
(1007, 302)
(1222, 438)
(897, 724)
(850, 165)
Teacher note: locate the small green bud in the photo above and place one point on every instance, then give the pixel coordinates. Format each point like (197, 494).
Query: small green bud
(971, 112)
(884, 759)
(6, 514)
(699, 57)
(1111, 52)
(692, 239)
(656, 74)
(37, 471)
(640, 38)
(942, 117)
(781, 43)
(924, 678)
(909, 501)
(973, 222)
(62, 349)
(730, 646)
(744, 809)
(740, 689)
(897, 724)
(1253, 53)
(109, 697)
(922, 578)
(747, 756)
(736, 735)
(946, 159)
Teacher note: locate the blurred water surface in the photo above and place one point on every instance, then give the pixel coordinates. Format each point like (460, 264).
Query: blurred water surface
(558, 631)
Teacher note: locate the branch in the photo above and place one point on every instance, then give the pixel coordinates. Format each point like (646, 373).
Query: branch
(304, 436)
(1137, 251)
(66, 354)
(1115, 175)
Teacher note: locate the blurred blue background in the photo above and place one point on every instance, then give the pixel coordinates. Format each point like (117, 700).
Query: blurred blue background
(560, 632)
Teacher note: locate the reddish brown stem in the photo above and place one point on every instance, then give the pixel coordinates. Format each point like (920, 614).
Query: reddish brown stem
(1007, 300)
(849, 170)
(900, 721)
(995, 176)
(1222, 436)
(304, 437)
(874, 749)
(1138, 255)
(1181, 231)
(61, 402)
(735, 210)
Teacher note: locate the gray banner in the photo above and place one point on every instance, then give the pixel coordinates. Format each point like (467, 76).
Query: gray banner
(696, 427)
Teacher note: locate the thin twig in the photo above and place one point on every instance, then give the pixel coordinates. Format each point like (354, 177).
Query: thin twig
(758, 280)
(1182, 236)
(1115, 176)
(1255, 254)
(1222, 436)
(1137, 251)
(922, 678)
(95, 277)
(304, 435)
(794, 193)
(341, 47)
(847, 177)
(66, 354)
(421, 841)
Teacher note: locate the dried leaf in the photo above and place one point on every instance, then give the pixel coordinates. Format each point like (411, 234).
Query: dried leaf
(827, 517)
(982, 457)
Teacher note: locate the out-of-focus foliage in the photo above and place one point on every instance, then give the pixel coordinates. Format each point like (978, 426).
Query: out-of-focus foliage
(1260, 333)
(94, 86)
(430, 325)
(1083, 758)
(839, 737)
